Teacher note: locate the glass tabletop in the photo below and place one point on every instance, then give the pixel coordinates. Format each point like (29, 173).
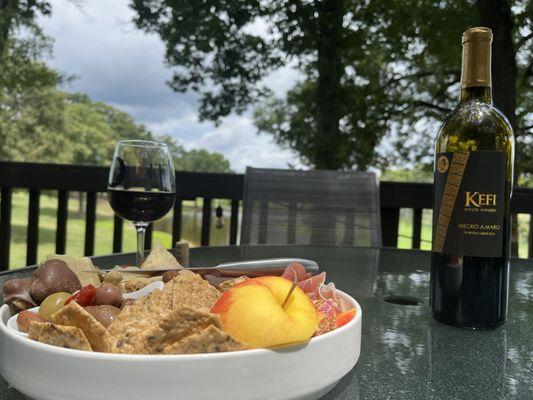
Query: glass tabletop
(405, 354)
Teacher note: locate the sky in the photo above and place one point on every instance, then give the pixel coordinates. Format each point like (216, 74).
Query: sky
(122, 66)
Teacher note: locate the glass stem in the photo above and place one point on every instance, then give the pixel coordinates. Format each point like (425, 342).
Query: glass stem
(141, 232)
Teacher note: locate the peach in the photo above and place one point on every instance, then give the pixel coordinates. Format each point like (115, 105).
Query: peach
(254, 312)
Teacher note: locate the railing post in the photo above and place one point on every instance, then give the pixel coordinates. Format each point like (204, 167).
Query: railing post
(61, 226)
(148, 237)
(206, 221)
(234, 222)
(90, 221)
(176, 221)
(5, 227)
(417, 228)
(118, 224)
(390, 218)
(32, 241)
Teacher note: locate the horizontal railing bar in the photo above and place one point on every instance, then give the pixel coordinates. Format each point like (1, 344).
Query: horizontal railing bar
(53, 177)
(94, 179)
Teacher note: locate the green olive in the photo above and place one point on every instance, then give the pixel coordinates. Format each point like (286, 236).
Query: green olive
(53, 303)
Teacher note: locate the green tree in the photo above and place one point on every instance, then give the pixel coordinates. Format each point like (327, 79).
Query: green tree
(201, 160)
(49, 125)
(93, 128)
(369, 69)
(196, 160)
(31, 110)
(418, 173)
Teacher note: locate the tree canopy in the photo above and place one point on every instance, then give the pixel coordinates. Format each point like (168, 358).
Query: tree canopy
(370, 70)
(55, 126)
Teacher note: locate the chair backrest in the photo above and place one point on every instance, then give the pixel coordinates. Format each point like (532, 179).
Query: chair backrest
(310, 207)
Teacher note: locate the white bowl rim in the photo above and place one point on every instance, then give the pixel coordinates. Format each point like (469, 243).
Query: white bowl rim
(24, 340)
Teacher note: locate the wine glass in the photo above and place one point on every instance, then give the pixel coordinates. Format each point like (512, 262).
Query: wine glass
(141, 186)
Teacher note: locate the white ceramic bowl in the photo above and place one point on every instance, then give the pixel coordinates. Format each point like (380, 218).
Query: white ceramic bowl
(299, 372)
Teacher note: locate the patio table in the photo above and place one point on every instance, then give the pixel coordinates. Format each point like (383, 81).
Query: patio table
(405, 354)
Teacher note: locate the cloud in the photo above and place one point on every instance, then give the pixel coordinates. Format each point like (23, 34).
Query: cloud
(237, 138)
(122, 66)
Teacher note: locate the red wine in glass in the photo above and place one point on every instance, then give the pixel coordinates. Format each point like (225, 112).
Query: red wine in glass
(140, 206)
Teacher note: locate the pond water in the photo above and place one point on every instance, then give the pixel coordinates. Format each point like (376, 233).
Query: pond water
(191, 226)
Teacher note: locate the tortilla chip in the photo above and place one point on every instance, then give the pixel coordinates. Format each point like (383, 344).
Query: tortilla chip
(176, 325)
(68, 337)
(159, 257)
(77, 265)
(209, 340)
(74, 315)
(190, 289)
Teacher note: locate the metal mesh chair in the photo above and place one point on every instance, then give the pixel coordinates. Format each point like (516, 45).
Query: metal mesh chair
(310, 208)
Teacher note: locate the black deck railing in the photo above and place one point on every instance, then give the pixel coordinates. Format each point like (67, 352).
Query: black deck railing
(64, 179)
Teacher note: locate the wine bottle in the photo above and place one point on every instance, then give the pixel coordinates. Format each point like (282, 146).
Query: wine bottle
(474, 155)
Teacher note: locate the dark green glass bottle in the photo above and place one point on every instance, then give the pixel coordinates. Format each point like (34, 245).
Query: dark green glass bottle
(474, 154)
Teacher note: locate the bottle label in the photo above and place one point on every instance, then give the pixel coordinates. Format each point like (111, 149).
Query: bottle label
(469, 209)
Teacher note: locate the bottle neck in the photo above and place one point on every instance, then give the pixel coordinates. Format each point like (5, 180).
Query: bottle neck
(476, 80)
(479, 93)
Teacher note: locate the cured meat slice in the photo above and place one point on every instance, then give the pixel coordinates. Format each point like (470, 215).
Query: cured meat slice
(311, 285)
(329, 291)
(295, 272)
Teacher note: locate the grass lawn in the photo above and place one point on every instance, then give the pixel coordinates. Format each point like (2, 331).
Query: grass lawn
(75, 229)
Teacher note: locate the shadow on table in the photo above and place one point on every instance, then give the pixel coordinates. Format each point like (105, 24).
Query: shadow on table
(10, 393)
(347, 389)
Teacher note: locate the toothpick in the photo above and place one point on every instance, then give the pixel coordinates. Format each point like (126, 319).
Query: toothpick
(289, 294)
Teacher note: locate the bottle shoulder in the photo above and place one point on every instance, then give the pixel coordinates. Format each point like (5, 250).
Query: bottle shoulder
(475, 125)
